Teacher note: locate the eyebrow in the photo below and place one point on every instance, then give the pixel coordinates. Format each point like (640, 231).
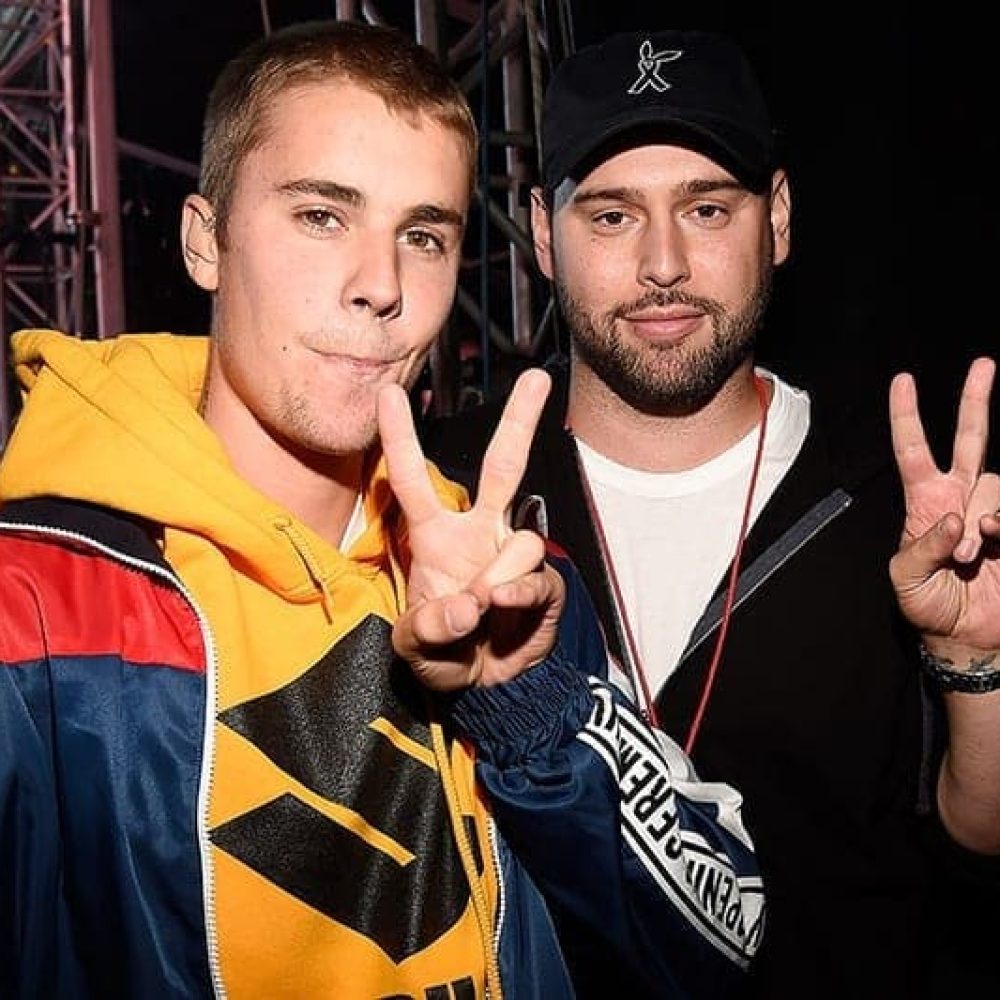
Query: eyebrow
(330, 190)
(429, 214)
(436, 215)
(584, 196)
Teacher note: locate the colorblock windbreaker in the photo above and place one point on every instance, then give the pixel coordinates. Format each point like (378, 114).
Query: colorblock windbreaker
(217, 779)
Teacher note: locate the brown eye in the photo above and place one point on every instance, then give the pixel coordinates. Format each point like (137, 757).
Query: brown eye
(612, 219)
(423, 239)
(710, 214)
(319, 219)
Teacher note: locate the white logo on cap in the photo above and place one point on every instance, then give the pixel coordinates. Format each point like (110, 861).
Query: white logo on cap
(649, 68)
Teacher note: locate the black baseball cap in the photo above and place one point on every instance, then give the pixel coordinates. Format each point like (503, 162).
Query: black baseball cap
(696, 89)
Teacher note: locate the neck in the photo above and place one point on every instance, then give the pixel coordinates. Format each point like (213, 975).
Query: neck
(319, 490)
(656, 443)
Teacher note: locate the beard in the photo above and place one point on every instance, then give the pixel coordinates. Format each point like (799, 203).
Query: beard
(666, 379)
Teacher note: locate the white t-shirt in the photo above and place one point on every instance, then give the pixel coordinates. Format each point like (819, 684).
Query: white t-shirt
(355, 526)
(672, 535)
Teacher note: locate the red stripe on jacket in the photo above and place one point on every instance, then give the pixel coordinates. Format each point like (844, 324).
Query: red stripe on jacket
(59, 599)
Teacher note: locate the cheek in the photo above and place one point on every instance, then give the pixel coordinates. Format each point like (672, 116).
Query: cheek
(595, 269)
(275, 268)
(430, 297)
(239, 365)
(600, 288)
(246, 285)
(290, 293)
(724, 271)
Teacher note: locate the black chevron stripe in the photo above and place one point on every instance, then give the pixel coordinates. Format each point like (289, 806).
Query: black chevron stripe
(317, 729)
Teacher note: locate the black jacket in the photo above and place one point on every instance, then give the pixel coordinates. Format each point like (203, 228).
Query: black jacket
(817, 716)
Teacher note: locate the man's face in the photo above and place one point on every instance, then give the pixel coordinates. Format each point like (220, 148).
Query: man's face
(662, 265)
(339, 267)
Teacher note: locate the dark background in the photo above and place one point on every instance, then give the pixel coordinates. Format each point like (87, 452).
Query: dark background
(888, 128)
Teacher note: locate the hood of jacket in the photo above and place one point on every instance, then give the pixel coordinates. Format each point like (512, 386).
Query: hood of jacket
(115, 422)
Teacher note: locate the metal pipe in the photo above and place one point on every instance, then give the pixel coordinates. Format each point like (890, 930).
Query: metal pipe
(103, 147)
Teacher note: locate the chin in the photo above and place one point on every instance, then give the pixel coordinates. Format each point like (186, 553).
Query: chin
(342, 445)
(330, 441)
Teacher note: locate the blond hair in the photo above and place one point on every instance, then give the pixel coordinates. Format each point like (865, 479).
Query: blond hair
(383, 60)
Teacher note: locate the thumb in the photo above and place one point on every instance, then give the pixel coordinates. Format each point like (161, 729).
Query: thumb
(920, 559)
(434, 624)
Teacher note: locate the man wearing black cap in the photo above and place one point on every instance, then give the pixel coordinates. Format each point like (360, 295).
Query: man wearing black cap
(738, 551)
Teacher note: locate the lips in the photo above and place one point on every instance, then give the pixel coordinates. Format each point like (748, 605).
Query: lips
(669, 324)
(362, 362)
(355, 369)
(349, 357)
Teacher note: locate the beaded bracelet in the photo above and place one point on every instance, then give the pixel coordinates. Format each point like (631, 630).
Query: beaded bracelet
(979, 677)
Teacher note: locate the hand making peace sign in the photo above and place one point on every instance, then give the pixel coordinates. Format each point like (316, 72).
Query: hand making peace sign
(947, 570)
(482, 606)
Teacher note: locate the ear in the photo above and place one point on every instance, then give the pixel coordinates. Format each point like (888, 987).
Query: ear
(541, 232)
(199, 243)
(781, 216)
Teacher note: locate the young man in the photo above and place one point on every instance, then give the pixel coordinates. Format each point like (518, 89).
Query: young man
(280, 716)
(737, 551)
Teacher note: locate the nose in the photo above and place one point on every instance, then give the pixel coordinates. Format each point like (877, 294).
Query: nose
(663, 260)
(374, 283)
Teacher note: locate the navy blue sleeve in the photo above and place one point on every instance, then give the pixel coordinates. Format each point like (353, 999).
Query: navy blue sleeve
(34, 925)
(647, 871)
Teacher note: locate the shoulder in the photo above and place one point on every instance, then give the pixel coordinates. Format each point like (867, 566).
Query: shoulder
(76, 578)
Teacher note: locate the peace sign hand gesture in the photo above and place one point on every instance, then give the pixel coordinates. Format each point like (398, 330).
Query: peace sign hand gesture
(947, 569)
(482, 606)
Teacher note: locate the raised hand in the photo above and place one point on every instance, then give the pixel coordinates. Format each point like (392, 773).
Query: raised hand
(947, 570)
(482, 606)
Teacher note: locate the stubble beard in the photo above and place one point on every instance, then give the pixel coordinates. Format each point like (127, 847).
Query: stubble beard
(662, 379)
(323, 435)
(348, 424)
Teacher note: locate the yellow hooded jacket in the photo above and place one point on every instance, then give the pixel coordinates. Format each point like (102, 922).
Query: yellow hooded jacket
(335, 823)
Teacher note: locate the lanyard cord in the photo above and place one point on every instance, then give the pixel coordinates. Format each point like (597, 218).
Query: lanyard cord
(734, 575)
(636, 669)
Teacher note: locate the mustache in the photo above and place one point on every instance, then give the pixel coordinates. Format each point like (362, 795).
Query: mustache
(662, 299)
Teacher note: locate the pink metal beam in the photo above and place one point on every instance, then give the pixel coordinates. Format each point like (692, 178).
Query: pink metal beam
(103, 149)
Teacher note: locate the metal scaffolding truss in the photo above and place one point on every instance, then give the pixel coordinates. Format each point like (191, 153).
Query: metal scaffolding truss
(60, 259)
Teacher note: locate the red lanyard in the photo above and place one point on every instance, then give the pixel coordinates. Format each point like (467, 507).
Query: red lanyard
(636, 669)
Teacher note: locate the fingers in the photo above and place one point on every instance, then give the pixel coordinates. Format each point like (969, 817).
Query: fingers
(951, 539)
(915, 563)
(973, 426)
(517, 578)
(506, 457)
(990, 525)
(533, 590)
(521, 552)
(437, 622)
(909, 442)
(405, 463)
(451, 643)
(979, 516)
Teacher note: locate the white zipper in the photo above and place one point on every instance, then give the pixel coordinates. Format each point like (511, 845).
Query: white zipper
(501, 889)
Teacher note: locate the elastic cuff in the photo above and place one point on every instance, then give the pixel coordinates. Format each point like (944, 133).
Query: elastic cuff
(550, 702)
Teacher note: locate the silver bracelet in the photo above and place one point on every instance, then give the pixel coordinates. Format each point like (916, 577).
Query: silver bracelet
(978, 677)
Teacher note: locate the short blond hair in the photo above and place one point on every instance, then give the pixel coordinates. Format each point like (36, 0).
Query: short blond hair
(383, 60)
